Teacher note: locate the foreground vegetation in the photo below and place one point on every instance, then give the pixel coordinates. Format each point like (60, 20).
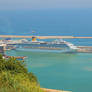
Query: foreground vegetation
(14, 77)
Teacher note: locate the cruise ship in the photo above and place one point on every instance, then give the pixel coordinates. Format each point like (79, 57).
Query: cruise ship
(58, 45)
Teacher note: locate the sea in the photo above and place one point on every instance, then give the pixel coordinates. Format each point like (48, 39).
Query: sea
(63, 71)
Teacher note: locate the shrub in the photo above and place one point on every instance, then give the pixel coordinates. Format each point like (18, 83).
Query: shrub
(14, 77)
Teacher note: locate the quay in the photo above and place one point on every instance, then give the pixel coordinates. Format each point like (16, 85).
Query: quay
(52, 90)
(84, 49)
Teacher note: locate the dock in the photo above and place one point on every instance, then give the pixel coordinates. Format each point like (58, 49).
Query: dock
(84, 49)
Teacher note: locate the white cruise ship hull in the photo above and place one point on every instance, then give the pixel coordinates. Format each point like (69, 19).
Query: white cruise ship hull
(46, 50)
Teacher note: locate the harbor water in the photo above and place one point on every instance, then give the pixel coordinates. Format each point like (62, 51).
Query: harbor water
(66, 71)
(71, 72)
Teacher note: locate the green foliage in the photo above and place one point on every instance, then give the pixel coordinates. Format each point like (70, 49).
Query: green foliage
(14, 77)
(32, 77)
(1, 56)
(12, 64)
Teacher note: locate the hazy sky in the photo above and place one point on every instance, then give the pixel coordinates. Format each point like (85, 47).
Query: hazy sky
(41, 4)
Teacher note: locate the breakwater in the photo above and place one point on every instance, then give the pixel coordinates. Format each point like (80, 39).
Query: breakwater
(44, 37)
(84, 49)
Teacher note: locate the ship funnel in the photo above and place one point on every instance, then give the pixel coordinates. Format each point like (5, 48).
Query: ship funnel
(34, 39)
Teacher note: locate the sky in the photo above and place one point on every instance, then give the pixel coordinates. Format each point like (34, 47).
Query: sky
(44, 4)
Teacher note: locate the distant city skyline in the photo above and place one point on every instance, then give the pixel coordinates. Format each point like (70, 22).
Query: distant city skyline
(44, 4)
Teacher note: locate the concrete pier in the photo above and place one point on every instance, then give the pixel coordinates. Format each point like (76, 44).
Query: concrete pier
(84, 49)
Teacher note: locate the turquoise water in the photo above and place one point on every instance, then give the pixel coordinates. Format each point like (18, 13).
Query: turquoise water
(59, 70)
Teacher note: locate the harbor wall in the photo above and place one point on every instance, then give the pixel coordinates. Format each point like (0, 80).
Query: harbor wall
(84, 49)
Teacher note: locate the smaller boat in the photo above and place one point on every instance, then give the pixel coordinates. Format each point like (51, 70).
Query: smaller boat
(17, 57)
